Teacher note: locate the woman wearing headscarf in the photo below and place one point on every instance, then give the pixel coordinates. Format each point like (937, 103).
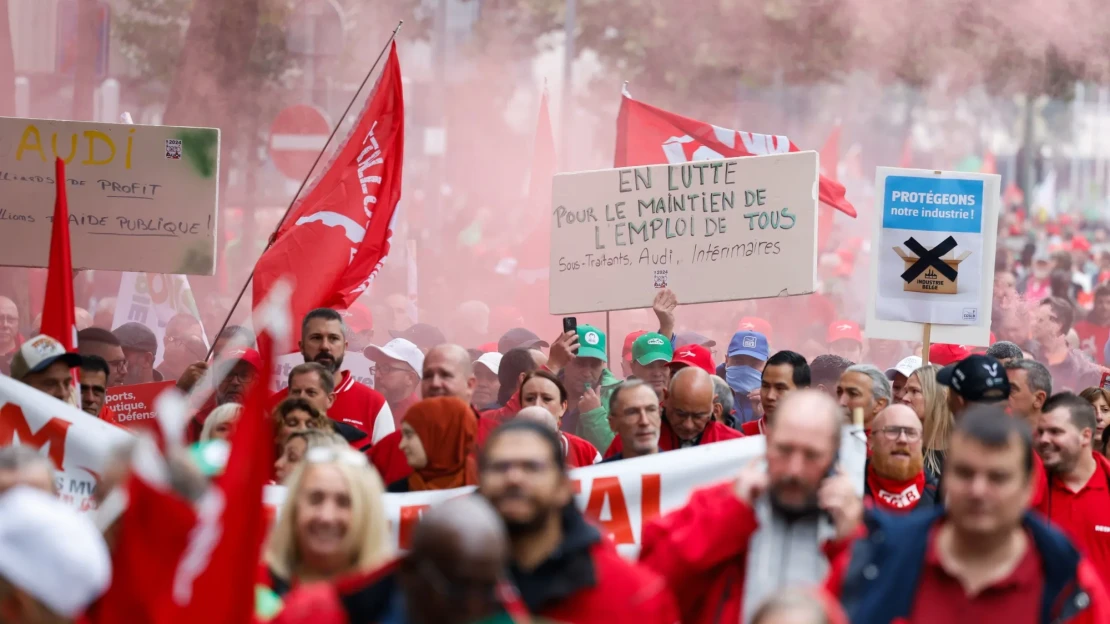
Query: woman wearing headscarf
(437, 438)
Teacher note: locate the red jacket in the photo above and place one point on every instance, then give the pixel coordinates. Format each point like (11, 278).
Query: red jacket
(753, 427)
(490, 419)
(701, 550)
(585, 581)
(579, 452)
(357, 405)
(668, 441)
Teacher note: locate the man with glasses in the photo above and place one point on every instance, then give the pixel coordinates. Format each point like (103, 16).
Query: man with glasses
(689, 412)
(563, 567)
(398, 367)
(183, 345)
(897, 480)
(104, 344)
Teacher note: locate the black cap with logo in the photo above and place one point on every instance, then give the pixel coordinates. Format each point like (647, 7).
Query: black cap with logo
(979, 378)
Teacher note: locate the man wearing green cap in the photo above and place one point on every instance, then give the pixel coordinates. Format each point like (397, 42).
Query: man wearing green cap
(579, 358)
(651, 353)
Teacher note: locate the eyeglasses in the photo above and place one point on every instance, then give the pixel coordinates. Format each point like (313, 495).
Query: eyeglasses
(120, 365)
(332, 454)
(528, 466)
(385, 370)
(893, 433)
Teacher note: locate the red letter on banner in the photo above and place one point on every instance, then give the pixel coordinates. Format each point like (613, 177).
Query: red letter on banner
(618, 527)
(13, 423)
(410, 515)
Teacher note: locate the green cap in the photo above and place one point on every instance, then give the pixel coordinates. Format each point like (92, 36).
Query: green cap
(591, 343)
(652, 347)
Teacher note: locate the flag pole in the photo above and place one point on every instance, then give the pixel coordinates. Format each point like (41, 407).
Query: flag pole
(304, 182)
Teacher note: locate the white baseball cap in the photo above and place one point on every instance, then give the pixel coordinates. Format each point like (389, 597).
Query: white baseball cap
(38, 353)
(51, 552)
(400, 350)
(490, 360)
(904, 368)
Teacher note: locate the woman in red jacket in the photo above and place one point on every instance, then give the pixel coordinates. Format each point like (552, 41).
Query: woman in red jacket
(332, 523)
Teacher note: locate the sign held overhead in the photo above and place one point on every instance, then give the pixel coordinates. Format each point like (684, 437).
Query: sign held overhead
(724, 230)
(142, 198)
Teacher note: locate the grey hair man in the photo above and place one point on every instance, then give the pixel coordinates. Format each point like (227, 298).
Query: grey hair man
(635, 417)
(1030, 387)
(1005, 351)
(863, 387)
(723, 403)
(23, 465)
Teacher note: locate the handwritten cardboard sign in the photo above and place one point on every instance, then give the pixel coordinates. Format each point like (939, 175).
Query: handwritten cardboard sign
(133, 406)
(722, 230)
(141, 198)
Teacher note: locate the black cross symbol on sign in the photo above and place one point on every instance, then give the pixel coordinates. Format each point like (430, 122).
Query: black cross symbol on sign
(930, 258)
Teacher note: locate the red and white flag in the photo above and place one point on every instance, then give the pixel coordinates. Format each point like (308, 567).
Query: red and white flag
(58, 315)
(647, 135)
(337, 236)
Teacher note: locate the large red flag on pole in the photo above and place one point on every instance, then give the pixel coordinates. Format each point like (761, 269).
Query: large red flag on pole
(336, 238)
(58, 316)
(647, 135)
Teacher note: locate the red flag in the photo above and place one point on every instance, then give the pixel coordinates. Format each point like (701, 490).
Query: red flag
(830, 158)
(650, 136)
(215, 578)
(58, 316)
(337, 236)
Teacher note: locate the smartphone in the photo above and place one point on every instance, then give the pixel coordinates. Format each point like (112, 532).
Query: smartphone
(1105, 382)
(570, 324)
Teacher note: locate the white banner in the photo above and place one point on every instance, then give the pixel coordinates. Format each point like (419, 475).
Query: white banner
(153, 299)
(621, 496)
(358, 364)
(77, 444)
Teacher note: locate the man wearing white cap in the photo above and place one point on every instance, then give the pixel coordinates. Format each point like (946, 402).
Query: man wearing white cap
(900, 373)
(397, 370)
(43, 364)
(53, 562)
(488, 386)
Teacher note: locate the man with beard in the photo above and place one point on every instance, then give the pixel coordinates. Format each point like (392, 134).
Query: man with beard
(1070, 369)
(980, 557)
(563, 567)
(735, 544)
(323, 341)
(1094, 331)
(896, 479)
(1078, 497)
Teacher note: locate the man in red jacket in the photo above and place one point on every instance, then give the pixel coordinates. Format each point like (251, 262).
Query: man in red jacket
(1078, 495)
(323, 341)
(563, 567)
(983, 556)
(738, 543)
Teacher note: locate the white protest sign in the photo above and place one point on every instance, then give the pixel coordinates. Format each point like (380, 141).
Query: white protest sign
(621, 496)
(141, 198)
(153, 299)
(78, 444)
(933, 262)
(358, 364)
(719, 230)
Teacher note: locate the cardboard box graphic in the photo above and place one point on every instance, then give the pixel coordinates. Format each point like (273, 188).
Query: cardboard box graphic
(930, 280)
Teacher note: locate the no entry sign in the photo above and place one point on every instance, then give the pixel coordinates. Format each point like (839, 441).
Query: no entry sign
(296, 138)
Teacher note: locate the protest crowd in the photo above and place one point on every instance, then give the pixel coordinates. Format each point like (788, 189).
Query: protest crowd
(339, 452)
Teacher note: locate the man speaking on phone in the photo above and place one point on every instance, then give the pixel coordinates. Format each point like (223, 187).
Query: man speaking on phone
(735, 544)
